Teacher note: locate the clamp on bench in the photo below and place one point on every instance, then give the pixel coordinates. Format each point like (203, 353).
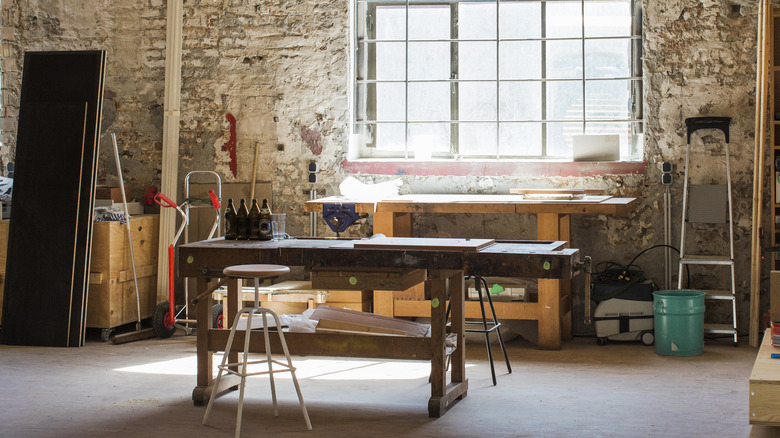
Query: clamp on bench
(339, 216)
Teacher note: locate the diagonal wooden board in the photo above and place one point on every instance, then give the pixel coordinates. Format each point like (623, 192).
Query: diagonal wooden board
(424, 243)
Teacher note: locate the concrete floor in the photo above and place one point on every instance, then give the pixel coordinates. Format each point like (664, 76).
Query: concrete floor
(619, 390)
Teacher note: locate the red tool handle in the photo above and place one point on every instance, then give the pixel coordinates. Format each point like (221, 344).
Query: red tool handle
(171, 268)
(164, 201)
(214, 199)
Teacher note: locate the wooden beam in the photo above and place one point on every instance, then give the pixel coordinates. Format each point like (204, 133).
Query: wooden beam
(170, 150)
(393, 224)
(758, 169)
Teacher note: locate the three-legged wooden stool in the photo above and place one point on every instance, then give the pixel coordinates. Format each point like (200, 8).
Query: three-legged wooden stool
(258, 273)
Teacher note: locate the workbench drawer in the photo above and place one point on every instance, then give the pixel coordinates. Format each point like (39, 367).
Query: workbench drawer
(112, 297)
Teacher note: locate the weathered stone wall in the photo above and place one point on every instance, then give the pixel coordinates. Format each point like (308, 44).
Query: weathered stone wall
(133, 35)
(281, 69)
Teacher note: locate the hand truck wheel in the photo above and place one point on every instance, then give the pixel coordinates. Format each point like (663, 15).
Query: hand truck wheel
(162, 321)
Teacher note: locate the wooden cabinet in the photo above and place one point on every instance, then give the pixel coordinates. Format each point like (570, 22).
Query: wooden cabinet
(112, 296)
(111, 300)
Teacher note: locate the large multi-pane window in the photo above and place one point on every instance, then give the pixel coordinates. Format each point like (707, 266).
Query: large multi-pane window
(495, 79)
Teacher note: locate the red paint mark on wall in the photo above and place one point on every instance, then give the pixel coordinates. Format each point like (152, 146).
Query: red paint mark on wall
(313, 139)
(230, 146)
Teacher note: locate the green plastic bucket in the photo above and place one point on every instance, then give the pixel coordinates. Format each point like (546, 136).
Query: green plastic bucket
(679, 322)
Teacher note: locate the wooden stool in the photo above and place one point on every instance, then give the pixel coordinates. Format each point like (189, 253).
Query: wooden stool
(257, 272)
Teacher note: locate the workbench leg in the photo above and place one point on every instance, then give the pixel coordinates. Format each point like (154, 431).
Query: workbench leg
(205, 351)
(564, 231)
(550, 314)
(443, 396)
(458, 310)
(393, 224)
(204, 355)
(556, 226)
(383, 302)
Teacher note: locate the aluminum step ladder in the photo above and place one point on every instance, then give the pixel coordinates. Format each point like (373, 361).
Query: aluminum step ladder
(709, 204)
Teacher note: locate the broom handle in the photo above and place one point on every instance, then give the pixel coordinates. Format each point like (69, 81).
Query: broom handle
(129, 233)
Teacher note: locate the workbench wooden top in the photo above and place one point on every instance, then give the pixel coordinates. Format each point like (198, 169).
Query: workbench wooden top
(533, 259)
(480, 203)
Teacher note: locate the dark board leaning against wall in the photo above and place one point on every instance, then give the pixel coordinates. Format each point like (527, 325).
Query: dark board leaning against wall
(51, 221)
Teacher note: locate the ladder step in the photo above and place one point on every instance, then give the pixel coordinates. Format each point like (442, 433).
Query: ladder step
(706, 260)
(718, 295)
(724, 329)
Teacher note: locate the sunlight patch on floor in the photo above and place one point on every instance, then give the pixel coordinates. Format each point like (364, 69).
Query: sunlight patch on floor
(306, 368)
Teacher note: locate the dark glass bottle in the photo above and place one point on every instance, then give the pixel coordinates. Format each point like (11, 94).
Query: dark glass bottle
(265, 222)
(242, 222)
(254, 221)
(230, 221)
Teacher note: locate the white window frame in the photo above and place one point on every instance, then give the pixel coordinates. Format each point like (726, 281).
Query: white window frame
(363, 142)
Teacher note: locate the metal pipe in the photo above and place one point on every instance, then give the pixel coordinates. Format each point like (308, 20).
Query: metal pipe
(129, 233)
(313, 215)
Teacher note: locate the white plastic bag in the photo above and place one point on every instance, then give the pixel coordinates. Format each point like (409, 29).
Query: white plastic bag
(352, 188)
(297, 323)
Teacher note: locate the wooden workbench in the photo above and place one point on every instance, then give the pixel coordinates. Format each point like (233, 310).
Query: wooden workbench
(394, 217)
(443, 275)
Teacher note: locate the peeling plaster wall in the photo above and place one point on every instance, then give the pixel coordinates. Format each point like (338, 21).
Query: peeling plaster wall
(280, 68)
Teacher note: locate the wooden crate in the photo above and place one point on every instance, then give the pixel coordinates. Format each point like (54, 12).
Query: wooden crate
(764, 385)
(112, 296)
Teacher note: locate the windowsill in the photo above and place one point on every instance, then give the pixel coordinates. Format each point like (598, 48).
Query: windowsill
(534, 168)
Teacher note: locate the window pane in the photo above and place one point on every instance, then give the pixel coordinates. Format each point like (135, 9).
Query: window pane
(559, 138)
(564, 19)
(429, 61)
(477, 101)
(477, 139)
(390, 22)
(429, 22)
(520, 139)
(607, 58)
(390, 137)
(520, 60)
(513, 97)
(476, 60)
(564, 59)
(390, 61)
(607, 18)
(621, 128)
(432, 136)
(520, 19)
(429, 101)
(391, 105)
(564, 100)
(520, 101)
(476, 21)
(607, 100)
